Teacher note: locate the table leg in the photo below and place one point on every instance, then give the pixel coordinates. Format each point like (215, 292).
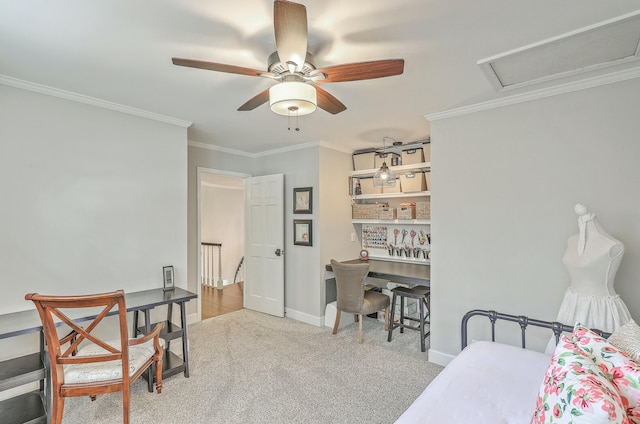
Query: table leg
(135, 324)
(152, 369)
(169, 323)
(46, 384)
(422, 335)
(185, 341)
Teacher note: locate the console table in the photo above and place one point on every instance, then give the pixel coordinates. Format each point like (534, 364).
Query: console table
(30, 407)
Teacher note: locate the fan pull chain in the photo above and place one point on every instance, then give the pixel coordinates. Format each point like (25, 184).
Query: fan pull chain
(293, 109)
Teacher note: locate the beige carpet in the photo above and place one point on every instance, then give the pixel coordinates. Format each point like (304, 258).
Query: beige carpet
(248, 367)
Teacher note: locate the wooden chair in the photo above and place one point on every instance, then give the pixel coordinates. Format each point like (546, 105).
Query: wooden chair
(351, 296)
(90, 365)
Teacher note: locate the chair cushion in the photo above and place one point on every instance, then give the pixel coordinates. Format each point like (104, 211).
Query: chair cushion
(374, 302)
(110, 370)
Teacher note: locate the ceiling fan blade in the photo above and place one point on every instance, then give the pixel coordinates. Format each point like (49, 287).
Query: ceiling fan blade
(360, 71)
(290, 26)
(219, 67)
(328, 102)
(255, 101)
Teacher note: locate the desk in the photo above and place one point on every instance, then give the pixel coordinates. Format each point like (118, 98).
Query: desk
(398, 272)
(31, 368)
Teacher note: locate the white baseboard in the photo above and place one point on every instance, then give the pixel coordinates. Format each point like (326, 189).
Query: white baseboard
(440, 358)
(302, 317)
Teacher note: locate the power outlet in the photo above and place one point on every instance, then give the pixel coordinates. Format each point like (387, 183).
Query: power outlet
(353, 236)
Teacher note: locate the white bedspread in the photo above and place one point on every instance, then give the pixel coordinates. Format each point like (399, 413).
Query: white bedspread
(487, 382)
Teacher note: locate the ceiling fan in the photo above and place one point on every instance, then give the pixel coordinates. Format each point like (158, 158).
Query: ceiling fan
(294, 70)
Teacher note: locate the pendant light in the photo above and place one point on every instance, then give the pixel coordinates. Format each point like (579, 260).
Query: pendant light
(384, 177)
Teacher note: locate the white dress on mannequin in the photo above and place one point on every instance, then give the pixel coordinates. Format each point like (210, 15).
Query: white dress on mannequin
(592, 260)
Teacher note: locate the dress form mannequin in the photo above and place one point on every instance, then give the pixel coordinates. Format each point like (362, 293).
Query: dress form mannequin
(592, 259)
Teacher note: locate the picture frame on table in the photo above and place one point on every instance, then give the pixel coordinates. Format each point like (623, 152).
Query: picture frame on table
(303, 232)
(168, 278)
(302, 199)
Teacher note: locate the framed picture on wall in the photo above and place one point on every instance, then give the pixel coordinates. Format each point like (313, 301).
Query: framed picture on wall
(302, 199)
(302, 232)
(167, 276)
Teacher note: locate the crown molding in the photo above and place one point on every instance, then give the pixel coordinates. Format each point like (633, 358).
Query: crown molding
(325, 144)
(213, 147)
(288, 149)
(92, 101)
(254, 155)
(584, 84)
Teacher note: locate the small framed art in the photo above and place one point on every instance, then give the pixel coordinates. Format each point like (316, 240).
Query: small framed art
(167, 276)
(302, 199)
(302, 232)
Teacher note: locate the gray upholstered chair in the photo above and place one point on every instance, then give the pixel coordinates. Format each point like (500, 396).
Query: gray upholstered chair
(352, 297)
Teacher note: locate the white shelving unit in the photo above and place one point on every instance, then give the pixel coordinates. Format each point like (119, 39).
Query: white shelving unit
(395, 226)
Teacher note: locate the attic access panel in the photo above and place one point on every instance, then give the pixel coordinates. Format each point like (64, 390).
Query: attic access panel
(602, 45)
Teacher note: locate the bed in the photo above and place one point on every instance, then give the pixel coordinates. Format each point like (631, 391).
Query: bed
(491, 382)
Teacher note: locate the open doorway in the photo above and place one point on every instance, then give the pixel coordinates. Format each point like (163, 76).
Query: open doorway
(221, 201)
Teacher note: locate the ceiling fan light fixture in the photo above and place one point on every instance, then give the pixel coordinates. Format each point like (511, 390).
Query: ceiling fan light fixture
(289, 96)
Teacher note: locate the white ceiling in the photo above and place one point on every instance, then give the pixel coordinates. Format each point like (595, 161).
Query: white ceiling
(120, 51)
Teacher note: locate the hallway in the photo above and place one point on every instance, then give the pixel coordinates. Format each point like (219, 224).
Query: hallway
(219, 302)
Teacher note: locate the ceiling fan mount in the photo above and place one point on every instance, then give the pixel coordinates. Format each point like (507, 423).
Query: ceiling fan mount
(279, 69)
(292, 63)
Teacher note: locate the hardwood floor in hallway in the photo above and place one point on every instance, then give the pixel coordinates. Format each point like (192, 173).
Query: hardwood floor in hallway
(219, 302)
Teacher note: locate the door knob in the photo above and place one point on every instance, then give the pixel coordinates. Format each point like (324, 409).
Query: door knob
(279, 252)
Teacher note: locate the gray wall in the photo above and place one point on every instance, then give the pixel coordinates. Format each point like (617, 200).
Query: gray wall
(92, 199)
(324, 169)
(212, 159)
(507, 180)
(335, 213)
(300, 169)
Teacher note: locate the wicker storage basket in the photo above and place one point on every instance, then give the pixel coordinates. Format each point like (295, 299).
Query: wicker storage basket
(387, 213)
(423, 210)
(366, 211)
(407, 212)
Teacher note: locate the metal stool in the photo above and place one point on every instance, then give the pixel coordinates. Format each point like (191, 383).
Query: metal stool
(421, 294)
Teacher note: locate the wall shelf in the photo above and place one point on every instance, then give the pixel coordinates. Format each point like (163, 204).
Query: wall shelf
(392, 195)
(392, 221)
(401, 169)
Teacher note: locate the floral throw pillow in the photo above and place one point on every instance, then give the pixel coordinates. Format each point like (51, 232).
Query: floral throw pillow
(574, 390)
(616, 365)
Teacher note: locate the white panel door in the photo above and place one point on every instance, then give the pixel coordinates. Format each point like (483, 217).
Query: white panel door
(264, 245)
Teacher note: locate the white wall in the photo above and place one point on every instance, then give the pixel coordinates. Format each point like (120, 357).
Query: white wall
(92, 199)
(222, 221)
(506, 181)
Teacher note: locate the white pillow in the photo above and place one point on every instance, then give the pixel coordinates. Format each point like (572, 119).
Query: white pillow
(627, 339)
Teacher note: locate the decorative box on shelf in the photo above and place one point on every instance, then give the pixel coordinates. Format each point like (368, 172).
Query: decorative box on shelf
(406, 212)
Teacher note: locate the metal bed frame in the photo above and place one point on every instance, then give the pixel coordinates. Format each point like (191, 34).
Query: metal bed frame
(557, 327)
